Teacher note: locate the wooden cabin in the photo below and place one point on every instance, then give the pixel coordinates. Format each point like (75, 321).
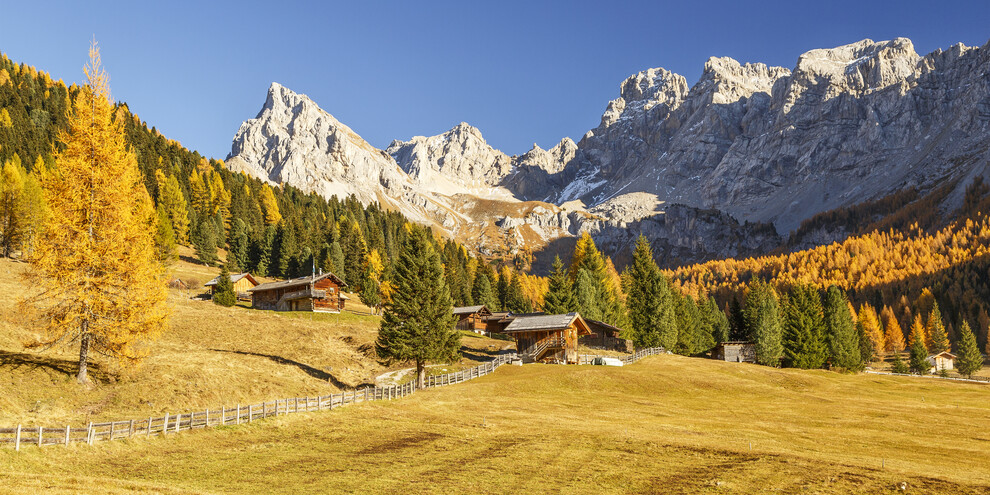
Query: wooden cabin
(605, 336)
(497, 322)
(735, 352)
(548, 338)
(472, 318)
(321, 293)
(942, 361)
(243, 282)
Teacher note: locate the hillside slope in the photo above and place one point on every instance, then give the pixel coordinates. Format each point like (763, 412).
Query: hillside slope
(667, 424)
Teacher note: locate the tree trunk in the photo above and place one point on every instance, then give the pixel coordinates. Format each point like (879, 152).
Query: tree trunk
(82, 376)
(420, 374)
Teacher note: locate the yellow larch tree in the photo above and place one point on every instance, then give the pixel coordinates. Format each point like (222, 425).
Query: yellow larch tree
(918, 328)
(872, 330)
(171, 199)
(269, 206)
(98, 282)
(893, 334)
(199, 195)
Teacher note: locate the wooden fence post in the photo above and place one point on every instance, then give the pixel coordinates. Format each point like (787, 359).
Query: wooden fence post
(17, 439)
(165, 425)
(67, 434)
(178, 421)
(130, 429)
(111, 430)
(148, 433)
(238, 420)
(89, 433)
(223, 415)
(250, 413)
(39, 435)
(207, 418)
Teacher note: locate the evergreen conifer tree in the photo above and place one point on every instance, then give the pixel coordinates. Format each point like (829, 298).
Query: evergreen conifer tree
(842, 337)
(938, 339)
(588, 296)
(715, 320)
(417, 324)
(690, 338)
(515, 300)
(898, 365)
(970, 359)
(804, 333)
(336, 260)
(762, 313)
(164, 238)
(237, 257)
(205, 241)
(482, 293)
(645, 299)
(223, 291)
(99, 282)
(737, 321)
(559, 298)
(919, 355)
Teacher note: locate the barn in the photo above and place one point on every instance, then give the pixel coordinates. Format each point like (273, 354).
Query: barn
(605, 336)
(472, 318)
(942, 361)
(320, 293)
(243, 282)
(735, 352)
(548, 338)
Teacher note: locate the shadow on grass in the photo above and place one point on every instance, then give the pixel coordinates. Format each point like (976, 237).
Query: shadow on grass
(309, 370)
(11, 361)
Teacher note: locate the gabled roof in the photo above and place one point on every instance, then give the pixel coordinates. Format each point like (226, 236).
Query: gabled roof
(234, 277)
(547, 322)
(467, 310)
(597, 326)
(297, 282)
(946, 354)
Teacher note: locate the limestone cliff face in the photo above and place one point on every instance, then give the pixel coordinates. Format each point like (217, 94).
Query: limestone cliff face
(746, 146)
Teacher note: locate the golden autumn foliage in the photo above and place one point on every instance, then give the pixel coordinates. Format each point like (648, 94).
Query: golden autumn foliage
(269, 206)
(893, 334)
(98, 282)
(918, 330)
(870, 323)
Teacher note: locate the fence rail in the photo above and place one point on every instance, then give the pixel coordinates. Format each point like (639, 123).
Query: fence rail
(227, 415)
(974, 379)
(632, 358)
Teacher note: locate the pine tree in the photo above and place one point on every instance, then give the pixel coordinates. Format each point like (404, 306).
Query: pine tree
(94, 262)
(205, 241)
(737, 321)
(223, 291)
(602, 297)
(870, 324)
(938, 339)
(417, 324)
(970, 359)
(336, 260)
(893, 335)
(645, 298)
(482, 292)
(559, 298)
(263, 252)
(762, 313)
(842, 337)
(919, 354)
(240, 243)
(515, 300)
(898, 365)
(691, 340)
(164, 238)
(715, 320)
(804, 333)
(588, 296)
(502, 287)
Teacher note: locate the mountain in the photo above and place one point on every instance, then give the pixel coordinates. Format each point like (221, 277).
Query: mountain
(721, 168)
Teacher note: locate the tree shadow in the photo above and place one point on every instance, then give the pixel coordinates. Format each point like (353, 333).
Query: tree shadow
(309, 370)
(11, 361)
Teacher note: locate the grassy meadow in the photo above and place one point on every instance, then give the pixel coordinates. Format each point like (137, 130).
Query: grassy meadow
(667, 424)
(210, 356)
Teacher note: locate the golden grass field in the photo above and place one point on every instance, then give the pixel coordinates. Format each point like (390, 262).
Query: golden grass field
(211, 356)
(667, 424)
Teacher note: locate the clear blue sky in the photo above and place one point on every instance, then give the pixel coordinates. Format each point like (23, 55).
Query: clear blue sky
(522, 72)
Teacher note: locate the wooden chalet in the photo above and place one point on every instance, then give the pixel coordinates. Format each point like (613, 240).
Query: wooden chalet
(605, 336)
(243, 282)
(548, 338)
(321, 293)
(942, 361)
(498, 320)
(736, 352)
(472, 318)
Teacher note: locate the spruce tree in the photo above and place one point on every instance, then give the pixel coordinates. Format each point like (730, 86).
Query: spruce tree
(502, 288)
(336, 260)
(898, 365)
(164, 238)
(919, 355)
(588, 296)
(937, 336)
(205, 241)
(762, 314)
(842, 337)
(559, 298)
(715, 320)
(970, 359)
(223, 291)
(369, 288)
(645, 298)
(94, 267)
(237, 257)
(737, 321)
(689, 335)
(482, 292)
(515, 300)
(417, 324)
(803, 333)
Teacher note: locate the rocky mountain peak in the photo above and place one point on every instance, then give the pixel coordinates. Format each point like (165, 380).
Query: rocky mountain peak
(645, 90)
(727, 80)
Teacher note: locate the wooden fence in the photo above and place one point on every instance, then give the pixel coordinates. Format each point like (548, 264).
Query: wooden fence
(630, 359)
(974, 379)
(224, 416)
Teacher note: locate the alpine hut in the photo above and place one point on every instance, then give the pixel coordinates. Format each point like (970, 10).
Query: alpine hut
(473, 318)
(243, 282)
(321, 293)
(548, 338)
(942, 361)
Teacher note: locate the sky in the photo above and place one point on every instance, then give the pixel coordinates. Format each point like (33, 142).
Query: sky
(522, 72)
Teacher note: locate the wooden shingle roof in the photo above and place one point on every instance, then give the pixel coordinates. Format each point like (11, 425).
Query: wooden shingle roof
(467, 310)
(547, 322)
(234, 277)
(297, 282)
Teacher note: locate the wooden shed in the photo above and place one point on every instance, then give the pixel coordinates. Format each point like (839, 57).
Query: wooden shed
(942, 361)
(735, 352)
(473, 318)
(243, 282)
(321, 293)
(605, 336)
(548, 338)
